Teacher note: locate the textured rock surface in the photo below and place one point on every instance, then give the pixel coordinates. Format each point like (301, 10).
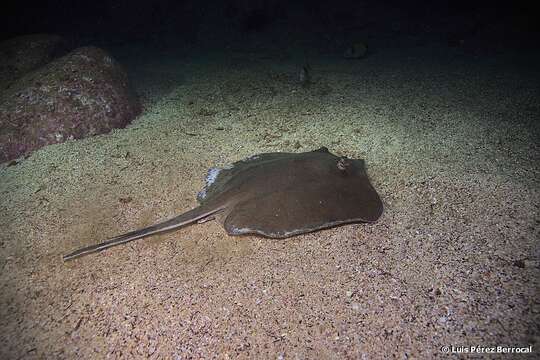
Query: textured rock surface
(81, 94)
(23, 54)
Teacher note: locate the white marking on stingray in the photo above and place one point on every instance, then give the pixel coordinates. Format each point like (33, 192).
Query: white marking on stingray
(212, 175)
(210, 179)
(252, 157)
(240, 231)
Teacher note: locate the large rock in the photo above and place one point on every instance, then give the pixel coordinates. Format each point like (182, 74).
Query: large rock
(23, 54)
(83, 93)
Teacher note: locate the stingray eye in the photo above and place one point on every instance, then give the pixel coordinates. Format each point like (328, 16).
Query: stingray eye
(343, 164)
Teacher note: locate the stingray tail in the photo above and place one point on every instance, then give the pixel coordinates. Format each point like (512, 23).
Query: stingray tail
(186, 218)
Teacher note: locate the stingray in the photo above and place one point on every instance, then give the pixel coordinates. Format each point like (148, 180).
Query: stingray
(276, 195)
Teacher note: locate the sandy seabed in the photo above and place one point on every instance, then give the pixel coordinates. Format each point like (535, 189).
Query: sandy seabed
(451, 145)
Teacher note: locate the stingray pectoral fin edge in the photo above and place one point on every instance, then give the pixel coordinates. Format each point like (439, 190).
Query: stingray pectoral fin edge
(186, 218)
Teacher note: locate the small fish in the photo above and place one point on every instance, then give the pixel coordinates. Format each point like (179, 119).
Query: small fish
(304, 76)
